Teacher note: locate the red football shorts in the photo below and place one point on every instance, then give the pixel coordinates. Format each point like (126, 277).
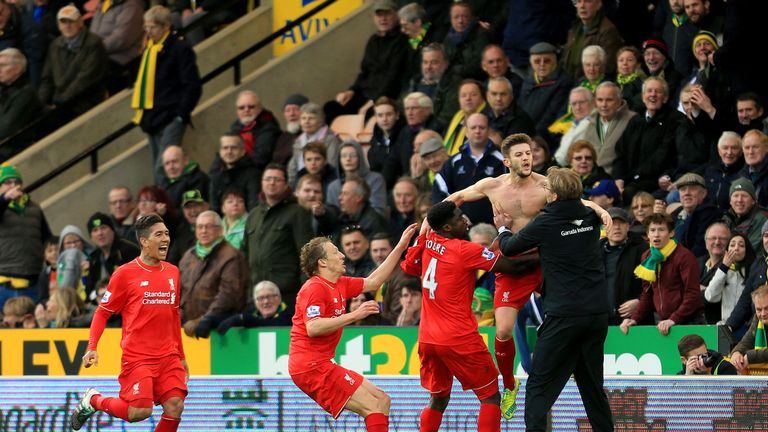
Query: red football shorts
(150, 380)
(330, 385)
(470, 363)
(515, 291)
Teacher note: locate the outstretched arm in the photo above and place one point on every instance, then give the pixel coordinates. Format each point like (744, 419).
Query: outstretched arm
(604, 216)
(473, 193)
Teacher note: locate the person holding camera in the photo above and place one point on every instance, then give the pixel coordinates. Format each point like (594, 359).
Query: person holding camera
(698, 360)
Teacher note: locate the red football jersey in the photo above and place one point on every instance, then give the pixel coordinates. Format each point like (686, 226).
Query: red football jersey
(319, 298)
(448, 271)
(147, 297)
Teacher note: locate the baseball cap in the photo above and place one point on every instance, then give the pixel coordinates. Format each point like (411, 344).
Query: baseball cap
(690, 179)
(604, 187)
(296, 99)
(193, 195)
(380, 5)
(543, 48)
(430, 145)
(618, 213)
(68, 12)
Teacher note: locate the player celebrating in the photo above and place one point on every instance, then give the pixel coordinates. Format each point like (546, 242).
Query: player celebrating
(317, 326)
(449, 342)
(521, 194)
(153, 368)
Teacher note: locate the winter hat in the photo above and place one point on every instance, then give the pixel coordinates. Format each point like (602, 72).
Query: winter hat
(296, 99)
(657, 44)
(706, 35)
(9, 172)
(743, 184)
(98, 219)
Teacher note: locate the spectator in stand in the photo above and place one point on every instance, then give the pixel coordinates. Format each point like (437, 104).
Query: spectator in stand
(470, 101)
(237, 170)
(670, 275)
(23, 231)
(629, 75)
(720, 174)
(433, 156)
(9, 25)
(700, 15)
(154, 199)
(581, 158)
(410, 302)
(309, 195)
(163, 111)
(72, 265)
(192, 205)
(542, 157)
(354, 209)
(694, 147)
(292, 114)
(121, 212)
(740, 316)
(545, 90)
(38, 29)
(591, 27)
(418, 116)
(693, 352)
(571, 125)
(755, 148)
(119, 24)
(111, 251)
(384, 59)
(19, 104)
(656, 63)
(678, 34)
(63, 306)
(75, 71)
(751, 348)
(478, 158)
(605, 194)
(705, 74)
(695, 214)
(404, 197)
(728, 281)
(182, 175)
(354, 304)
(385, 132)
(465, 41)
(267, 310)
(357, 259)
(276, 230)
(437, 82)
(621, 254)
(642, 207)
(316, 163)
(593, 65)
(484, 234)
(257, 127)
(505, 115)
(352, 162)
(745, 216)
(235, 215)
(313, 128)
(717, 237)
(646, 148)
(214, 278)
(420, 32)
(495, 64)
(749, 113)
(606, 124)
(46, 282)
(19, 313)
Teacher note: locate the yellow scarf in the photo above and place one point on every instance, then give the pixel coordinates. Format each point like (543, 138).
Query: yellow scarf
(457, 131)
(144, 91)
(105, 6)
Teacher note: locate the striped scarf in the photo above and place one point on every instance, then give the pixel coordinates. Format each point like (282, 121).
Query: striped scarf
(648, 268)
(457, 131)
(144, 91)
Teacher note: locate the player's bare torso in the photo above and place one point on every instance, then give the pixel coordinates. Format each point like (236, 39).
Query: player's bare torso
(521, 198)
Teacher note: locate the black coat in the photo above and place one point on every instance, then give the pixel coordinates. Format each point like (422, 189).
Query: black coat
(691, 233)
(513, 120)
(719, 178)
(122, 251)
(547, 100)
(193, 179)
(627, 286)
(379, 149)
(399, 161)
(242, 175)
(384, 59)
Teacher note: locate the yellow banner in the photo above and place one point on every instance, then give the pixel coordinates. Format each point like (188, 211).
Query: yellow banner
(285, 11)
(57, 352)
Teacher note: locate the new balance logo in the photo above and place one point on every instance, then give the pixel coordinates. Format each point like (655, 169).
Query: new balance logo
(144, 283)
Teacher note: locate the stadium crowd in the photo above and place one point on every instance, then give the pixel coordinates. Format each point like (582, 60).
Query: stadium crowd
(656, 105)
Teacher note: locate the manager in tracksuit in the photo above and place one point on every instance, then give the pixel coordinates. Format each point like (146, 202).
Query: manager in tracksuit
(571, 339)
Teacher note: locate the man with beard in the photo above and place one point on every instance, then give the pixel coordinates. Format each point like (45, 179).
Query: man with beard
(520, 193)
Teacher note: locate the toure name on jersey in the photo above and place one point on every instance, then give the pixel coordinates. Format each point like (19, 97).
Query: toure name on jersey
(437, 247)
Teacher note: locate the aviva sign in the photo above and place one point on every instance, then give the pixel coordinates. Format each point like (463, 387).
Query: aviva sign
(285, 11)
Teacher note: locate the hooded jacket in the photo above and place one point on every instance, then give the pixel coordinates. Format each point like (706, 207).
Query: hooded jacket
(378, 198)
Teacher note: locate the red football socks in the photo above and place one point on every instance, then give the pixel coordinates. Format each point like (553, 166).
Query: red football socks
(490, 418)
(505, 359)
(113, 406)
(430, 420)
(377, 422)
(167, 424)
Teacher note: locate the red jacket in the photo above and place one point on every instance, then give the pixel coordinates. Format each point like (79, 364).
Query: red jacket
(676, 294)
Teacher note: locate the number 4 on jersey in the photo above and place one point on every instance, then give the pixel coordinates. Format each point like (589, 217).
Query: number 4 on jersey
(429, 281)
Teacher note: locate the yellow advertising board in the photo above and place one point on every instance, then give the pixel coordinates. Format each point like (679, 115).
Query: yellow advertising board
(56, 352)
(285, 11)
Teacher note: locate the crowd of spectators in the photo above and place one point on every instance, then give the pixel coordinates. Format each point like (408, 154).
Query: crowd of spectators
(660, 114)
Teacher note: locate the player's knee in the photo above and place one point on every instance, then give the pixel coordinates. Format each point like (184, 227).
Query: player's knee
(504, 331)
(174, 407)
(439, 403)
(138, 414)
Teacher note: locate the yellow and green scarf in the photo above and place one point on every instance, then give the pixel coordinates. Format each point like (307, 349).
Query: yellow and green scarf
(19, 204)
(414, 42)
(648, 268)
(760, 339)
(457, 131)
(144, 91)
